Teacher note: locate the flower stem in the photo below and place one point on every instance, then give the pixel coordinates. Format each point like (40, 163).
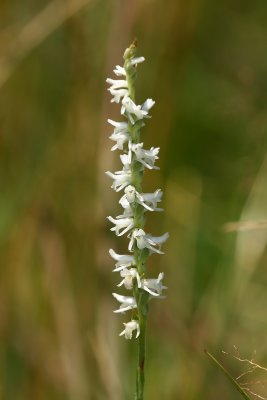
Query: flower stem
(140, 373)
(142, 302)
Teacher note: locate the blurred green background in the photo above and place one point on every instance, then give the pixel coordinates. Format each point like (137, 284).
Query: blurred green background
(206, 68)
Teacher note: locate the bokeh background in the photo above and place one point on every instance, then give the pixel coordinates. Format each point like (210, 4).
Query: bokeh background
(206, 67)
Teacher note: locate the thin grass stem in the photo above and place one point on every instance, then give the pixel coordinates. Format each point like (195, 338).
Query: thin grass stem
(228, 375)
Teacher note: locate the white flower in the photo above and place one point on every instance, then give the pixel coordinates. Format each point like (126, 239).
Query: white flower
(118, 89)
(119, 71)
(148, 104)
(121, 179)
(128, 276)
(145, 157)
(129, 328)
(151, 199)
(147, 200)
(137, 60)
(123, 260)
(120, 134)
(130, 107)
(117, 83)
(118, 94)
(130, 193)
(119, 126)
(144, 240)
(124, 202)
(127, 303)
(140, 112)
(127, 213)
(126, 160)
(154, 286)
(127, 199)
(121, 223)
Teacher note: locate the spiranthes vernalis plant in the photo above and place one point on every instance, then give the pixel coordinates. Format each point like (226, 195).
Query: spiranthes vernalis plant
(135, 203)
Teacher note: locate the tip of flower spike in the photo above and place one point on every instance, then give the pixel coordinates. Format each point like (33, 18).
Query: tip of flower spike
(131, 50)
(135, 42)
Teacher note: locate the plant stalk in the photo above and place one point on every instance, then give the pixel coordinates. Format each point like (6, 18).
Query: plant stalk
(140, 373)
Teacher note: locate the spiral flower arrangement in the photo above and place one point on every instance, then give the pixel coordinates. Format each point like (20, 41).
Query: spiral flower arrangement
(135, 204)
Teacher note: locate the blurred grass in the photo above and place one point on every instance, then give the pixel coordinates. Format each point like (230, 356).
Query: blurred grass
(206, 68)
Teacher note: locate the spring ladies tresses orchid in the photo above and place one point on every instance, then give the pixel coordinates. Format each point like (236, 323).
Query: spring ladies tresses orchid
(154, 286)
(123, 260)
(128, 276)
(127, 303)
(121, 179)
(120, 134)
(145, 157)
(129, 328)
(132, 110)
(144, 240)
(121, 223)
(135, 159)
(131, 195)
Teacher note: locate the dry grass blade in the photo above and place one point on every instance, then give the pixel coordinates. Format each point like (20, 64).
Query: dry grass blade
(229, 376)
(251, 243)
(245, 225)
(35, 32)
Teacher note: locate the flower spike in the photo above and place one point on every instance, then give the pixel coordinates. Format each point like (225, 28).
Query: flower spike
(136, 204)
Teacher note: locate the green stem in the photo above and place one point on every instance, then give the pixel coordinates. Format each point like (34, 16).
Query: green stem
(142, 302)
(140, 373)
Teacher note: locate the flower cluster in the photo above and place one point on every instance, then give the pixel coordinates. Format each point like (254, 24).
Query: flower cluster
(135, 203)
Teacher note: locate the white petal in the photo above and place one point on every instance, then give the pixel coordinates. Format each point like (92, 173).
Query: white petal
(148, 104)
(123, 309)
(121, 257)
(150, 291)
(137, 60)
(159, 239)
(117, 83)
(120, 71)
